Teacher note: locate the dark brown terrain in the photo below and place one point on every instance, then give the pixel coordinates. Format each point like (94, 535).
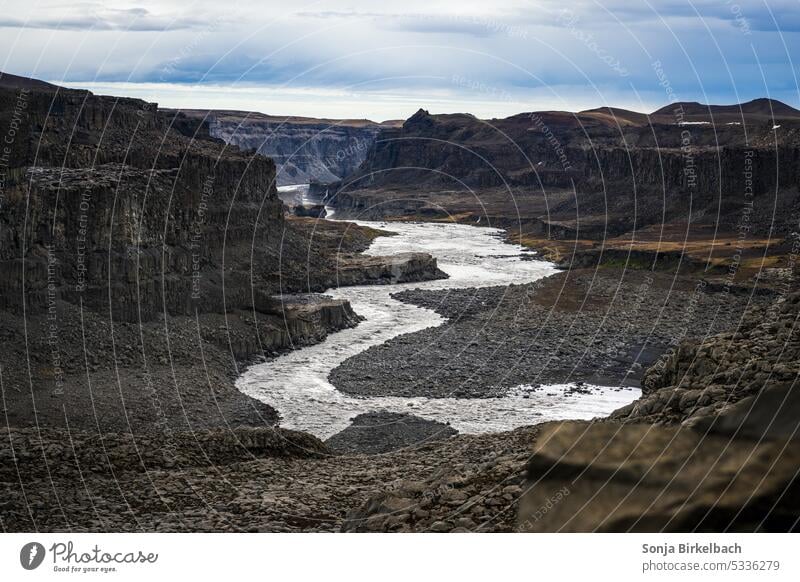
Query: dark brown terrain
(715, 184)
(146, 261)
(144, 265)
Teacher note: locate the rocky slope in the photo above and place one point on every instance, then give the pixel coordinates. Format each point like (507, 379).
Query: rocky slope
(145, 261)
(592, 174)
(698, 381)
(736, 470)
(727, 461)
(249, 481)
(739, 473)
(304, 149)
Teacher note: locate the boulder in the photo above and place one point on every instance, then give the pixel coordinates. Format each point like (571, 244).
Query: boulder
(605, 477)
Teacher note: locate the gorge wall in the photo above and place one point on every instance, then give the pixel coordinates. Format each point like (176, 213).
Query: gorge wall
(683, 162)
(143, 261)
(304, 149)
(107, 206)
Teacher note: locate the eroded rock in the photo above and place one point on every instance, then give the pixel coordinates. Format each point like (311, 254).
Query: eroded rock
(603, 477)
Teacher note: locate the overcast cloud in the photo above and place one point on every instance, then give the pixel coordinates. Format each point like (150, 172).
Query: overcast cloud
(385, 60)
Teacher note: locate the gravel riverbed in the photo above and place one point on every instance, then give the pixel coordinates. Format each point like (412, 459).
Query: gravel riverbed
(596, 326)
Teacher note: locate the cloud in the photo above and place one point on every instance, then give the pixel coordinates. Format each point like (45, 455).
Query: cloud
(755, 15)
(513, 47)
(88, 17)
(464, 23)
(328, 14)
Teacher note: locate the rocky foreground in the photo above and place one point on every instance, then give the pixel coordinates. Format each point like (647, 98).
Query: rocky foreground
(728, 467)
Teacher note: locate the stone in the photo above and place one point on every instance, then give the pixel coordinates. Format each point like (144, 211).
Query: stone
(602, 477)
(440, 527)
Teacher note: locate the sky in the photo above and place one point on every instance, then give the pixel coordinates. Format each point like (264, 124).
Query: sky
(384, 60)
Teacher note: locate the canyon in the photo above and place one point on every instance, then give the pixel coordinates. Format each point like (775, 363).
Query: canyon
(162, 314)
(304, 149)
(688, 181)
(144, 267)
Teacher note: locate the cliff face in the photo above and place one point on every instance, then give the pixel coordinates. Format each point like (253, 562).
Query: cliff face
(105, 205)
(673, 164)
(144, 260)
(304, 149)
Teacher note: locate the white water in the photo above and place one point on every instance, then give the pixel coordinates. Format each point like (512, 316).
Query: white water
(296, 384)
(295, 194)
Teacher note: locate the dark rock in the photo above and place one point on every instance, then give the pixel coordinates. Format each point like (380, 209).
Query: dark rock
(381, 432)
(600, 477)
(310, 210)
(772, 413)
(601, 156)
(393, 269)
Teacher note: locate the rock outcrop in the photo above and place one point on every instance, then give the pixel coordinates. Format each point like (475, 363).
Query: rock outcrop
(393, 269)
(597, 477)
(710, 446)
(381, 432)
(704, 379)
(310, 210)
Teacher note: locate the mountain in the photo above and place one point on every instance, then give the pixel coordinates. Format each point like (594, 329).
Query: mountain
(616, 115)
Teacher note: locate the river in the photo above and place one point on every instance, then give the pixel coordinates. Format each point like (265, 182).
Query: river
(296, 384)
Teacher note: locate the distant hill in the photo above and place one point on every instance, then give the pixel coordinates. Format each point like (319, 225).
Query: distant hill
(590, 163)
(617, 115)
(762, 108)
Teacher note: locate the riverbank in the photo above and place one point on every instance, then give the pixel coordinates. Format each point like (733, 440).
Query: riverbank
(596, 326)
(736, 471)
(730, 254)
(78, 368)
(176, 374)
(298, 385)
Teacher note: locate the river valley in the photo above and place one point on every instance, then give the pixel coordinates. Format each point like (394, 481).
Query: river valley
(297, 385)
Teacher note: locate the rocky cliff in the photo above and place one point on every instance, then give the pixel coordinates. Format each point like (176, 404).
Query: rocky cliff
(304, 149)
(144, 261)
(108, 207)
(620, 168)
